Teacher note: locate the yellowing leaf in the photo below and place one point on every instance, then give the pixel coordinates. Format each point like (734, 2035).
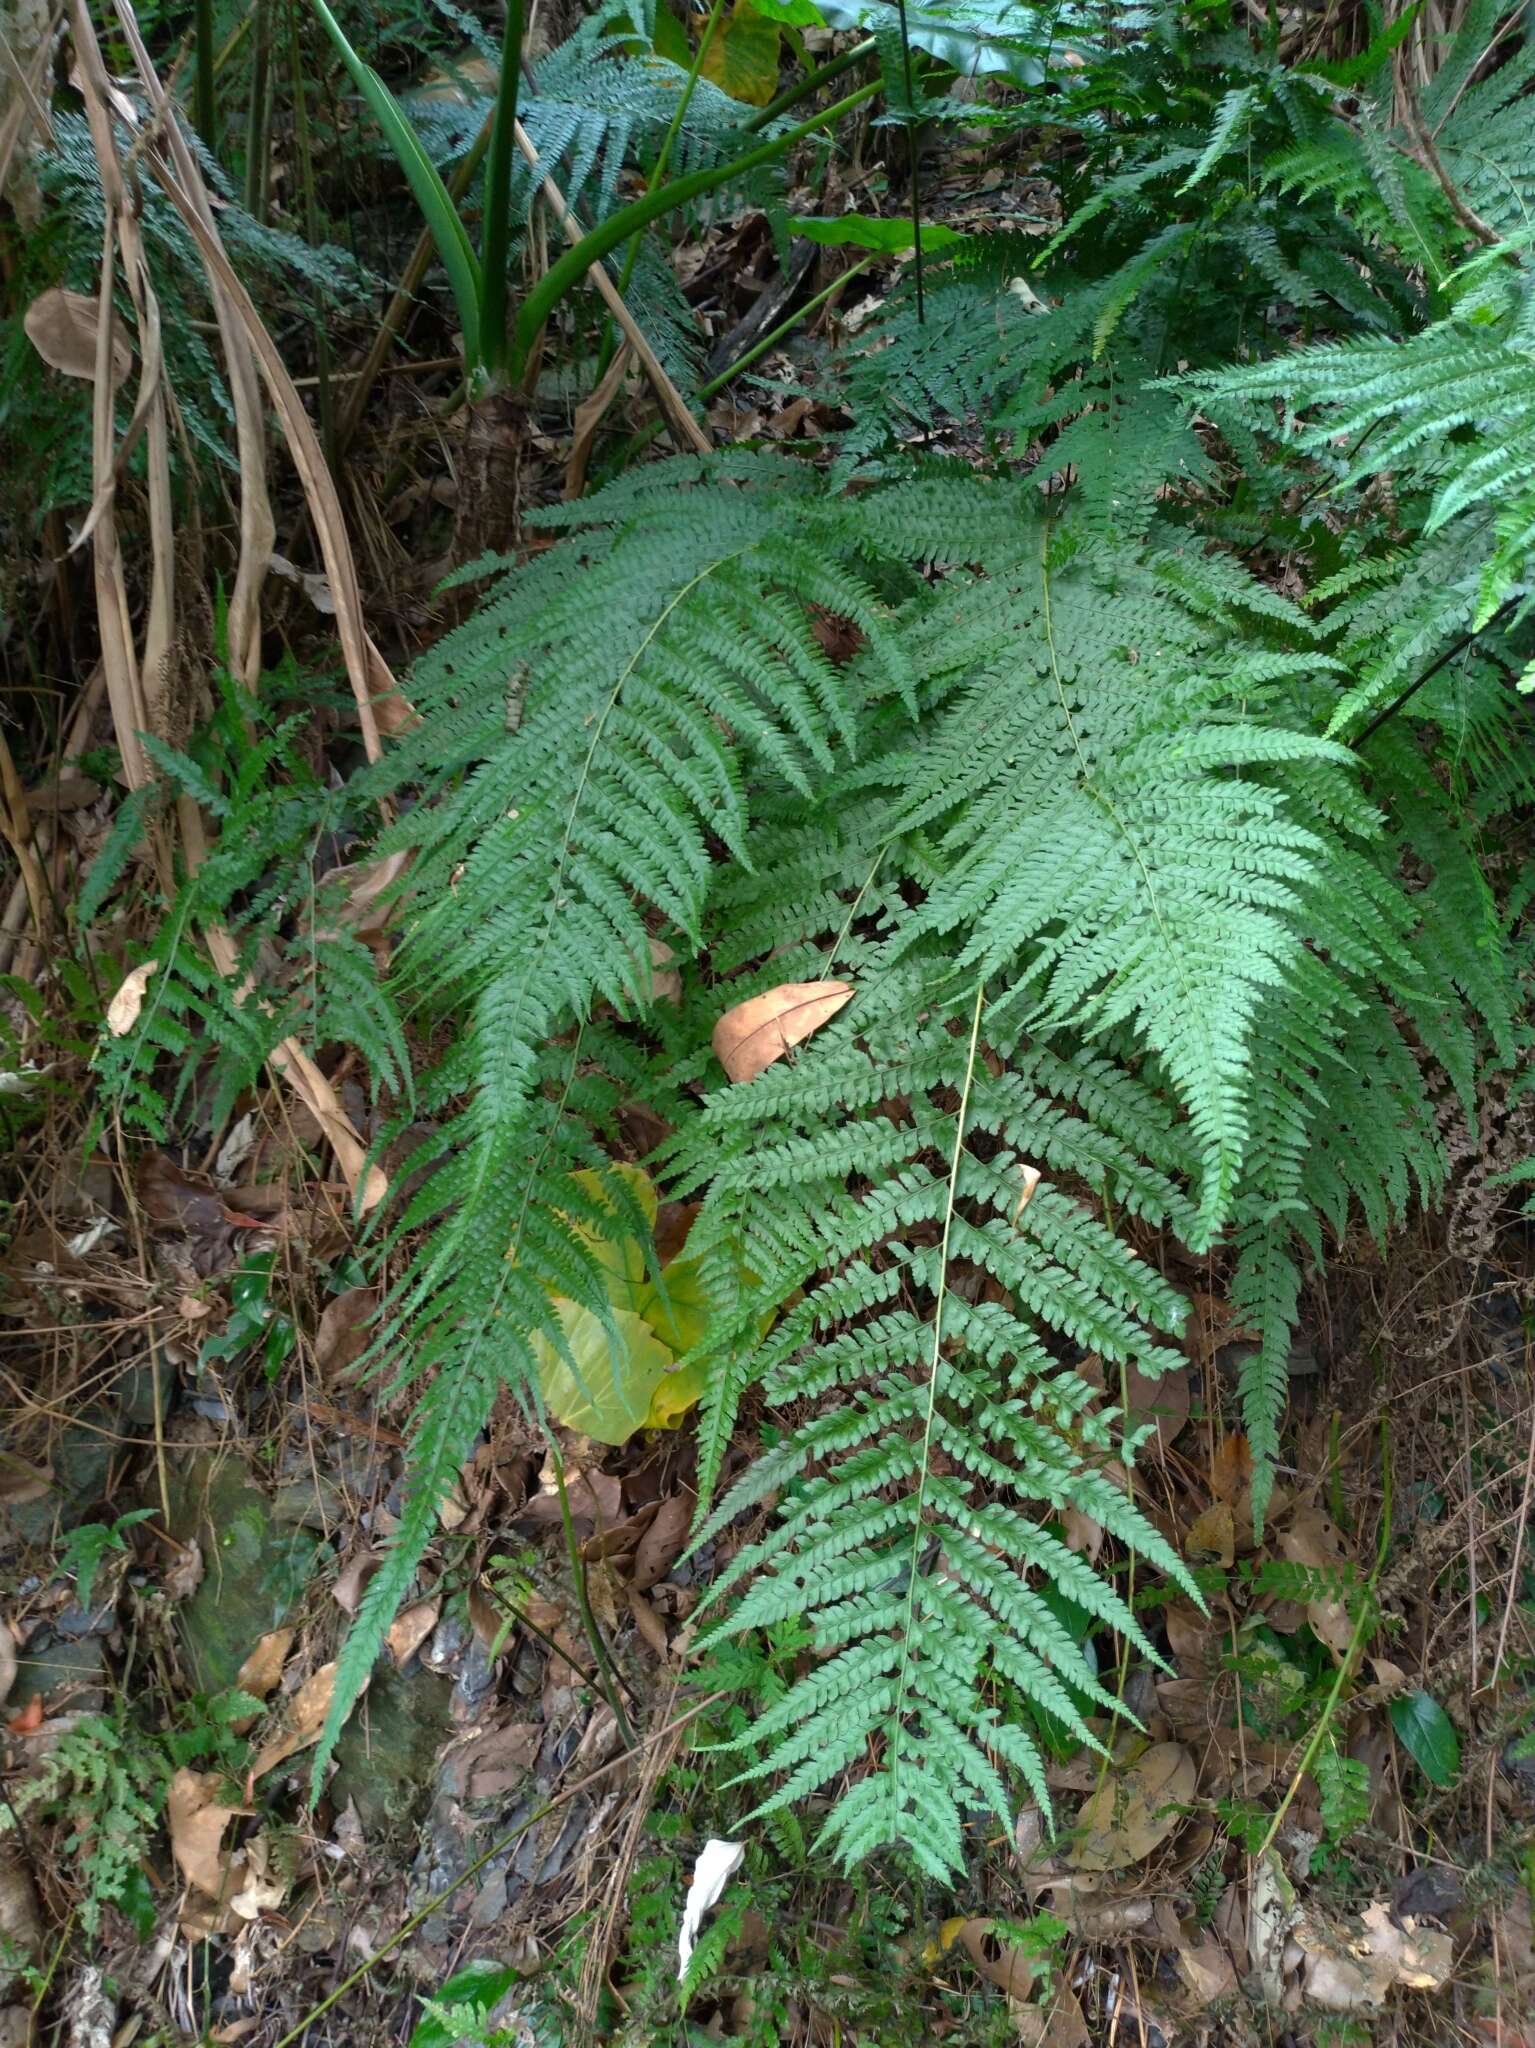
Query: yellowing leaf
(1134, 1811)
(752, 1035)
(742, 57)
(676, 1393)
(678, 1311)
(607, 1397)
(622, 1259)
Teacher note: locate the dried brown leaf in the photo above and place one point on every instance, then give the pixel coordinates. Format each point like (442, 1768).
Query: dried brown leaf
(198, 1824)
(123, 1010)
(1313, 1538)
(752, 1035)
(1213, 1535)
(63, 327)
(1133, 1812)
(263, 1667)
(306, 1717)
(352, 1580)
(7, 1661)
(410, 1629)
(661, 1545)
(344, 1335)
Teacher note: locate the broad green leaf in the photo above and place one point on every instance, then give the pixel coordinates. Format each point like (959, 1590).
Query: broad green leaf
(481, 1985)
(607, 1395)
(1428, 1735)
(865, 231)
(430, 193)
(742, 57)
(793, 13)
(972, 35)
(671, 40)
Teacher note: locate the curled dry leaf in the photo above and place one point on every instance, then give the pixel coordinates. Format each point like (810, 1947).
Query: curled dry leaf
(1342, 1969)
(1213, 1535)
(263, 1667)
(306, 1717)
(64, 328)
(752, 1035)
(7, 1661)
(999, 1961)
(21, 1482)
(1133, 1812)
(30, 1719)
(123, 1010)
(198, 1824)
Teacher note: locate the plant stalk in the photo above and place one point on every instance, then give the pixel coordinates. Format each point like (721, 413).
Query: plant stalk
(599, 1648)
(495, 240)
(204, 103)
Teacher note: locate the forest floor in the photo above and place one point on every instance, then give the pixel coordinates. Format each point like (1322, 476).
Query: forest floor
(196, 1488)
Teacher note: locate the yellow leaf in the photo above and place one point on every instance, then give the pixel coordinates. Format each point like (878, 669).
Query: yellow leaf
(607, 1396)
(622, 1259)
(678, 1310)
(742, 57)
(676, 1393)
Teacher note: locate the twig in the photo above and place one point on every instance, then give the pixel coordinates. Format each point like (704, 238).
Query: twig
(1440, 661)
(673, 404)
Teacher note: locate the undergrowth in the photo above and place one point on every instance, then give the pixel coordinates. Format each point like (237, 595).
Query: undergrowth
(1156, 794)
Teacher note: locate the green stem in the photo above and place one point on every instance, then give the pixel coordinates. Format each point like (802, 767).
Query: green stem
(258, 122)
(495, 242)
(564, 275)
(588, 1620)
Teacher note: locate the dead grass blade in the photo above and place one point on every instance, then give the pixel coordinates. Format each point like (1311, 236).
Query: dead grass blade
(685, 429)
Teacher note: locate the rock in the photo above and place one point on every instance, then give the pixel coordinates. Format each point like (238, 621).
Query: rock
(386, 1760)
(254, 1570)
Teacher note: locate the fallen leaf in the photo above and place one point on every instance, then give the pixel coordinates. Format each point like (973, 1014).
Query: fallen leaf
(1082, 1534)
(588, 417)
(1213, 1535)
(752, 1035)
(198, 1824)
(603, 1394)
(497, 1764)
(661, 1545)
(1206, 1969)
(650, 1625)
(7, 1661)
(999, 1961)
(123, 1010)
(21, 1482)
(410, 1630)
(30, 1719)
(352, 1580)
(1312, 1538)
(263, 1667)
(1133, 1812)
(306, 1717)
(185, 1575)
(1163, 1401)
(1057, 2025)
(1231, 1469)
(343, 1335)
(64, 326)
(1029, 1176)
(264, 1888)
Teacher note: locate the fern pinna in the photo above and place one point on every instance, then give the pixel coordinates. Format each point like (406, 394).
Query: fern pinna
(1109, 902)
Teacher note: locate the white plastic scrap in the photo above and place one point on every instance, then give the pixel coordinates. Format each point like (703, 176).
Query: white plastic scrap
(717, 1863)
